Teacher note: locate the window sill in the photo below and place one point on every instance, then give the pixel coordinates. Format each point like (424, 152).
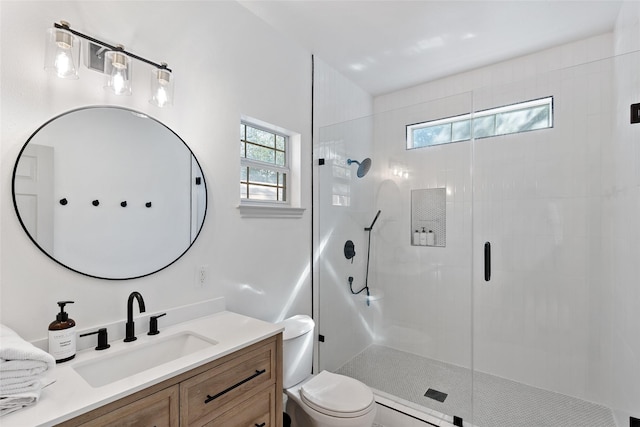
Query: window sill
(264, 211)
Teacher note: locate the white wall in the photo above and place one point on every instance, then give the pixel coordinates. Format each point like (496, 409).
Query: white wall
(227, 63)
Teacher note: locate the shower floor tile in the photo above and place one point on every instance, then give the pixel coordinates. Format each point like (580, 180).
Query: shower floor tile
(498, 402)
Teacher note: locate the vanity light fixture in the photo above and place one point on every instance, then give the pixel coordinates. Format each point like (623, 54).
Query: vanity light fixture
(63, 53)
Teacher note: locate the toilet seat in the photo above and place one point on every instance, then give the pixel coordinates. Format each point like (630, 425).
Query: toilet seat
(337, 395)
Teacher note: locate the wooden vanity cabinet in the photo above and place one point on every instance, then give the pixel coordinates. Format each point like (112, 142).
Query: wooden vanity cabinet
(242, 389)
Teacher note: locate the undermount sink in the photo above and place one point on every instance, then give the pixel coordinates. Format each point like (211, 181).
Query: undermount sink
(142, 356)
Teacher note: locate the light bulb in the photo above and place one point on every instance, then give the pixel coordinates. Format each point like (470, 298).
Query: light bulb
(118, 81)
(161, 97)
(64, 64)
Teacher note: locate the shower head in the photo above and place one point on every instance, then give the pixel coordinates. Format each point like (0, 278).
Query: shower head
(363, 167)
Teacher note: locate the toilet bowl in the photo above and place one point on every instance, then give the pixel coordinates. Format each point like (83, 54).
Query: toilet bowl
(325, 399)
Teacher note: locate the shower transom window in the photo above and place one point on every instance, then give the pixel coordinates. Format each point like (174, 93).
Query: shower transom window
(514, 118)
(264, 165)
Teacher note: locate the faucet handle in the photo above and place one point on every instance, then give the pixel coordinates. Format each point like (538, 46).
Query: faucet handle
(102, 338)
(153, 324)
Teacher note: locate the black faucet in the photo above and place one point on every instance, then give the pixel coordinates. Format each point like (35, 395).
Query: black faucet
(130, 327)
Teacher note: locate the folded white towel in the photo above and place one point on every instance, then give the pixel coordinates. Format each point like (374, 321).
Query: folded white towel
(21, 368)
(21, 356)
(27, 397)
(19, 385)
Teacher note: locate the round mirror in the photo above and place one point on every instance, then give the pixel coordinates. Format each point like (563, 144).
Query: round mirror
(109, 192)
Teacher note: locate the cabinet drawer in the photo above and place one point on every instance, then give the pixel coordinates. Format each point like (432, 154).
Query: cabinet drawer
(212, 393)
(159, 410)
(257, 411)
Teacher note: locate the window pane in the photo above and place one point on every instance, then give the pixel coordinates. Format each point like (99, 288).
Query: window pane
(242, 130)
(259, 192)
(280, 158)
(432, 135)
(242, 149)
(243, 191)
(257, 152)
(461, 131)
(483, 126)
(280, 142)
(522, 120)
(243, 174)
(261, 137)
(263, 176)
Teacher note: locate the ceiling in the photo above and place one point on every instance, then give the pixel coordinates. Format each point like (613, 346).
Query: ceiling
(384, 46)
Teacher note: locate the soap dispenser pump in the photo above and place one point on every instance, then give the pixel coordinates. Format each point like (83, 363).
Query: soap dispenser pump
(62, 335)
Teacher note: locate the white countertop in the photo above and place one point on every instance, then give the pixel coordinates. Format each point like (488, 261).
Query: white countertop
(71, 395)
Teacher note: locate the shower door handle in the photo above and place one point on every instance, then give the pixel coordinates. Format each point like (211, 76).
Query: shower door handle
(487, 261)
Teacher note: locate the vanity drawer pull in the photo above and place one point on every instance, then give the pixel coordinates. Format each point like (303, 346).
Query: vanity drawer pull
(261, 425)
(215, 396)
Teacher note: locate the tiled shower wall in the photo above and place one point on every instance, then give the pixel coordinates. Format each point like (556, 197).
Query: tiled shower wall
(619, 343)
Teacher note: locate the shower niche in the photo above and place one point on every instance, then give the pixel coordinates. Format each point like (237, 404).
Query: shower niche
(428, 217)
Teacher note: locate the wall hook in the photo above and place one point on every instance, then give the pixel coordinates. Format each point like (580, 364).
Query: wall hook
(95, 202)
(123, 204)
(64, 202)
(148, 204)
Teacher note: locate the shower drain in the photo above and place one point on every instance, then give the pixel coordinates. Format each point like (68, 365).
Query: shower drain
(436, 395)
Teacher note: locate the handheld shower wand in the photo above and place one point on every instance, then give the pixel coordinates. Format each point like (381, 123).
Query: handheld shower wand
(366, 277)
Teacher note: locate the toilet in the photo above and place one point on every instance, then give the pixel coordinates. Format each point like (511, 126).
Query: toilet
(325, 399)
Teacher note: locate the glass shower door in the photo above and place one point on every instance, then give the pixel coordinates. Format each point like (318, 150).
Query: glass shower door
(537, 201)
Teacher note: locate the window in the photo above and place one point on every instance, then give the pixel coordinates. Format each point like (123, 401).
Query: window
(264, 165)
(515, 118)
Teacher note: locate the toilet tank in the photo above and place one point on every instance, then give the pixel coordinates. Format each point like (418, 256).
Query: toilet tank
(297, 343)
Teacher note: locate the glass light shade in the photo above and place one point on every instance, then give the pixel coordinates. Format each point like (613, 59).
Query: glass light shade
(119, 71)
(161, 87)
(62, 55)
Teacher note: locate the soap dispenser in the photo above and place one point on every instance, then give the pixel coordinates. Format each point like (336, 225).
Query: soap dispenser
(431, 238)
(416, 238)
(62, 335)
(423, 237)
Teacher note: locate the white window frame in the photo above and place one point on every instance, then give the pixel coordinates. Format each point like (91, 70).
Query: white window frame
(251, 163)
(290, 207)
(547, 101)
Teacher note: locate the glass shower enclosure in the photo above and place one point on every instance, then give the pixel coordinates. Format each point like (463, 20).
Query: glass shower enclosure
(504, 318)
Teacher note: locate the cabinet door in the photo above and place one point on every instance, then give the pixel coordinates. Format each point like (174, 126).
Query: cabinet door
(157, 410)
(257, 411)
